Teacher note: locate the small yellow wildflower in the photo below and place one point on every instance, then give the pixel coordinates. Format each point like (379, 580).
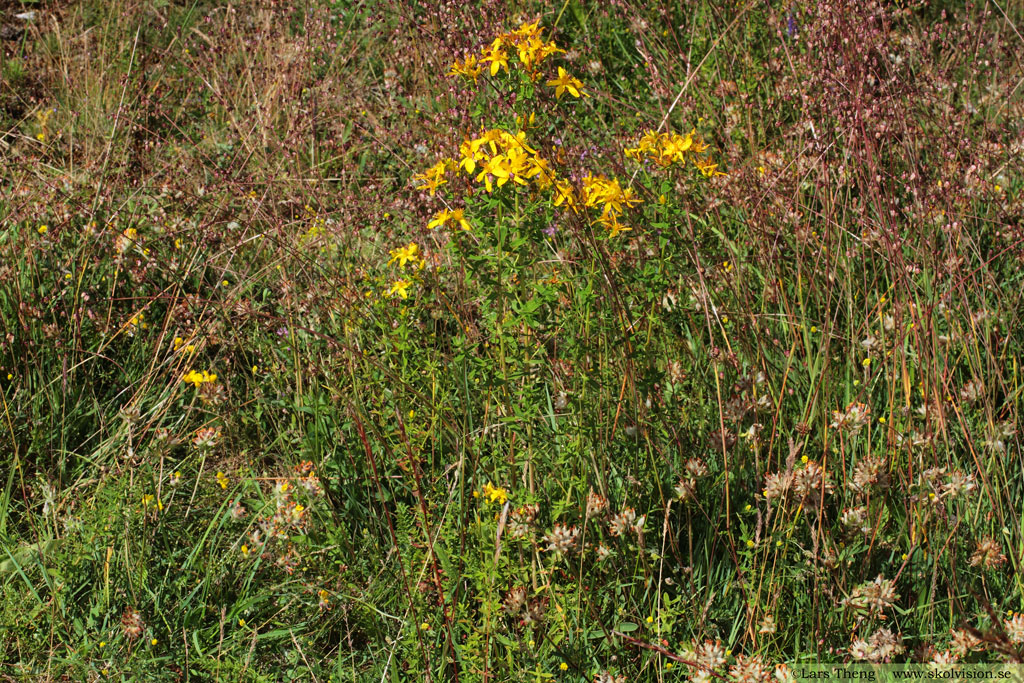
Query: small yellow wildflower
(497, 56)
(222, 479)
(399, 288)
(456, 216)
(432, 178)
(153, 642)
(42, 229)
(566, 83)
(469, 68)
(410, 253)
(495, 494)
(197, 379)
(563, 666)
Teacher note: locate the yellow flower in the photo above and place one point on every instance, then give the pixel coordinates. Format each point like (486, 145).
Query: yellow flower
(496, 56)
(222, 479)
(444, 216)
(407, 254)
(566, 83)
(532, 51)
(563, 666)
(42, 229)
(495, 494)
(613, 225)
(564, 194)
(401, 288)
(432, 178)
(468, 68)
(197, 379)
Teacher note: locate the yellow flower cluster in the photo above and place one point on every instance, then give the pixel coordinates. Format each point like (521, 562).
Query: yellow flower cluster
(666, 149)
(611, 198)
(445, 216)
(526, 41)
(495, 494)
(409, 254)
(498, 157)
(197, 379)
(433, 177)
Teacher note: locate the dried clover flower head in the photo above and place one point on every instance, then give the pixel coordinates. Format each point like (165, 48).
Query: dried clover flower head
(869, 473)
(622, 522)
(596, 503)
(686, 490)
(1014, 627)
(988, 554)
(873, 596)
(748, 669)
(520, 522)
(562, 539)
(132, 623)
(696, 468)
(515, 601)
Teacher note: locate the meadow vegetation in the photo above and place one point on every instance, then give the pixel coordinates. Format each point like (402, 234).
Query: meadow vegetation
(440, 341)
